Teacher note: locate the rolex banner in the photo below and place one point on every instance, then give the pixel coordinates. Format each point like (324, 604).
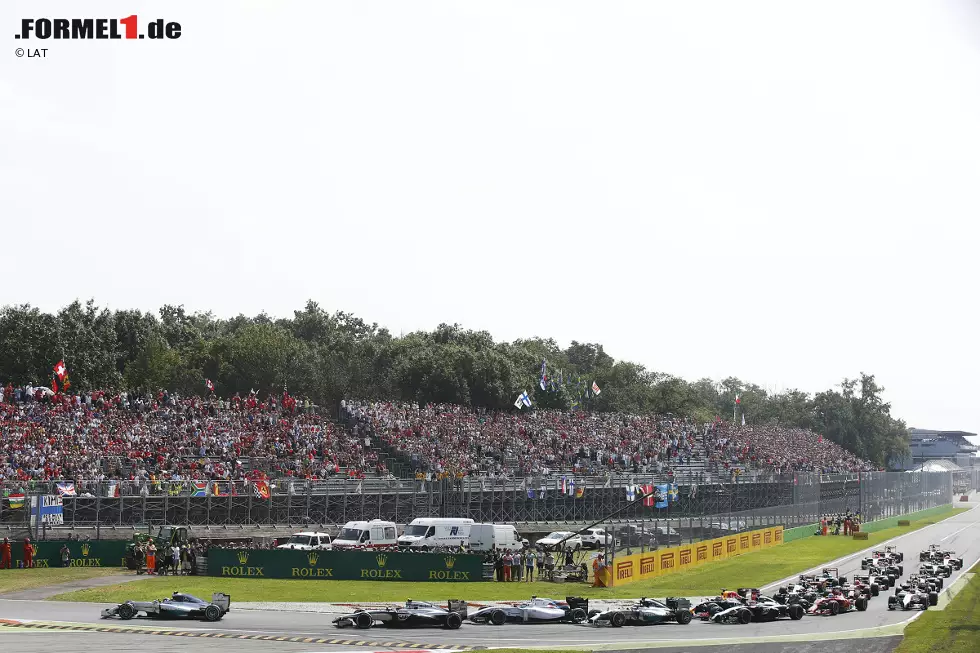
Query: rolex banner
(345, 565)
(99, 553)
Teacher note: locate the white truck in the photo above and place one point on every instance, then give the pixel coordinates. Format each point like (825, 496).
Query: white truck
(499, 537)
(426, 533)
(374, 534)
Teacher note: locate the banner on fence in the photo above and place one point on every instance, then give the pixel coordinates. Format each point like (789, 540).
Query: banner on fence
(643, 566)
(345, 565)
(101, 553)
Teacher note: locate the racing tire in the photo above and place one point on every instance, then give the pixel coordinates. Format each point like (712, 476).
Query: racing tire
(684, 617)
(212, 613)
(796, 612)
(892, 602)
(939, 583)
(498, 618)
(891, 581)
(834, 608)
(617, 620)
(744, 617)
(874, 590)
(363, 621)
(577, 616)
(901, 570)
(933, 598)
(126, 611)
(780, 598)
(453, 621)
(861, 604)
(713, 609)
(901, 557)
(842, 580)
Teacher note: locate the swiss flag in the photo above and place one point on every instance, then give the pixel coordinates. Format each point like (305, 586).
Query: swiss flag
(60, 370)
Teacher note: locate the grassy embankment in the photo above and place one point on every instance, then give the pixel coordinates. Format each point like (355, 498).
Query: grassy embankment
(750, 570)
(14, 580)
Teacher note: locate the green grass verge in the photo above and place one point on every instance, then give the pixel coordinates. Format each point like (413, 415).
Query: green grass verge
(953, 630)
(14, 580)
(749, 570)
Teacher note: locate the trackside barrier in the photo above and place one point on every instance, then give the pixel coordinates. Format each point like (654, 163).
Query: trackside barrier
(644, 566)
(904, 522)
(101, 553)
(345, 565)
(863, 535)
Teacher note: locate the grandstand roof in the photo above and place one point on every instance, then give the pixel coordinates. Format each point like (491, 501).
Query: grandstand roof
(937, 466)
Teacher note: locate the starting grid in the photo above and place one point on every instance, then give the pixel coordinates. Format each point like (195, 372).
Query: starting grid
(234, 636)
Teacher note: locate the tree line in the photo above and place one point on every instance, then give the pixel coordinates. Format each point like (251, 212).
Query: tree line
(329, 356)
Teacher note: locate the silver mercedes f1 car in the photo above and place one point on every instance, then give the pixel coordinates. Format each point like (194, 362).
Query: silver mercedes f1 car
(178, 606)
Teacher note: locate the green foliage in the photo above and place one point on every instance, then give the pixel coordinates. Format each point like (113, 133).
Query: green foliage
(332, 356)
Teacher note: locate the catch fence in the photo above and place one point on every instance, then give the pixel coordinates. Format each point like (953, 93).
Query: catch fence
(704, 503)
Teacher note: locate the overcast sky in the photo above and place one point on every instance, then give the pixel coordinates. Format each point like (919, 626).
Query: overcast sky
(782, 191)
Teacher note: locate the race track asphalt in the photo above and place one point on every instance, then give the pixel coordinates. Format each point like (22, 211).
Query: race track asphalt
(960, 533)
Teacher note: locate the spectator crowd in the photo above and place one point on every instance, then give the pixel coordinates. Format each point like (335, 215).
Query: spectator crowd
(143, 439)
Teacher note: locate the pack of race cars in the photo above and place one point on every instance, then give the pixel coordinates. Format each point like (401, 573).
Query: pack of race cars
(827, 593)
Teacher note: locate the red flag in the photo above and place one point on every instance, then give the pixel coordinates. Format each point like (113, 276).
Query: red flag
(262, 489)
(60, 370)
(210, 385)
(649, 498)
(54, 385)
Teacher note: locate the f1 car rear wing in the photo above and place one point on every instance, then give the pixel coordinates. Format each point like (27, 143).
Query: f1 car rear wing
(675, 603)
(577, 602)
(831, 571)
(222, 600)
(458, 606)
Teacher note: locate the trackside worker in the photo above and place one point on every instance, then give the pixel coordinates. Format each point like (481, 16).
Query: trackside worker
(28, 553)
(151, 558)
(529, 566)
(5, 554)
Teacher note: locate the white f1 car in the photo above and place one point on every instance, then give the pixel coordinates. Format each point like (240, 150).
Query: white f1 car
(537, 610)
(178, 606)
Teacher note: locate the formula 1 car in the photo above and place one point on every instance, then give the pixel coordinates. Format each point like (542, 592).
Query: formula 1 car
(936, 554)
(413, 614)
(915, 599)
(758, 610)
(889, 555)
(888, 575)
(572, 610)
(803, 595)
(835, 603)
(919, 583)
(178, 606)
(645, 612)
(935, 569)
(875, 584)
(713, 605)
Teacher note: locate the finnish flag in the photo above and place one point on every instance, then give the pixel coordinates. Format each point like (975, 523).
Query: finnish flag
(523, 400)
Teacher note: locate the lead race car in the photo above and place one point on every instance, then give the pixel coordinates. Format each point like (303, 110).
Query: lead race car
(178, 606)
(414, 614)
(538, 610)
(645, 612)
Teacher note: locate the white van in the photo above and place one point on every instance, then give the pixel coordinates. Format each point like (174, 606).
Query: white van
(502, 537)
(374, 534)
(307, 541)
(429, 532)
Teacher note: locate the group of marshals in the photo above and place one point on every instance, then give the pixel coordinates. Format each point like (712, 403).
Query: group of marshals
(5, 559)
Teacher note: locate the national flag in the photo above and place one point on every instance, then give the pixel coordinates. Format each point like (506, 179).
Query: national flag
(544, 375)
(200, 489)
(60, 370)
(564, 485)
(738, 400)
(216, 490)
(526, 398)
(743, 418)
(54, 385)
(595, 389)
(262, 489)
(662, 492)
(571, 487)
(630, 492)
(16, 500)
(579, 492)
(673, 492)
(519, 403)
(66, 489)
(112, 490)
(530, 493)
(209, 385)
(649, 498)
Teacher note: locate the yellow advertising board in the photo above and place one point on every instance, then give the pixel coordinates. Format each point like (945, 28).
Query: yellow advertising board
(644, 566)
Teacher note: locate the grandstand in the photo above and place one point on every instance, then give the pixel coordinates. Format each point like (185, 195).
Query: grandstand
(927, 445)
